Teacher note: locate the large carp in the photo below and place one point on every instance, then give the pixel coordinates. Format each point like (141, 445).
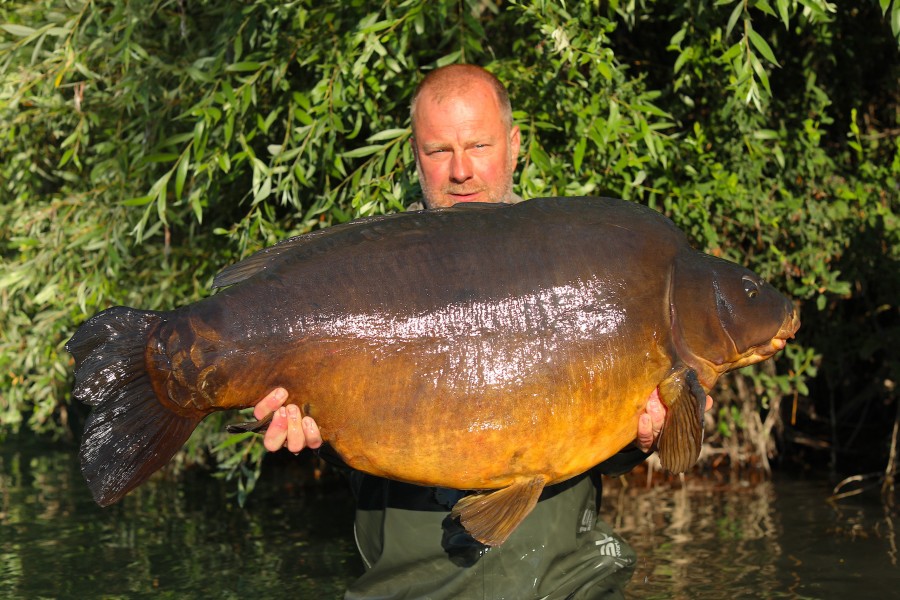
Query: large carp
(488, 347)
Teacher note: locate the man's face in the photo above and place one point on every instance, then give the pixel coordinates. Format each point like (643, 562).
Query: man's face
(463, 151)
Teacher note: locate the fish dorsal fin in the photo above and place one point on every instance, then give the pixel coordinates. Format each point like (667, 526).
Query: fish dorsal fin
(490, 517)
(313, 243)
(682, 433)
(319, 242)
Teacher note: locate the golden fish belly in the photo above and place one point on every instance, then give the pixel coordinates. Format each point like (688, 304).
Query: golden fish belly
(445, 430)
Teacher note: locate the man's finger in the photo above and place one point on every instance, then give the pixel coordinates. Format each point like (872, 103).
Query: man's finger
(277, 431)
(645, 433)
(311, 433)
(295, 438)
(657, 413)
(709, 402)
(270, 403)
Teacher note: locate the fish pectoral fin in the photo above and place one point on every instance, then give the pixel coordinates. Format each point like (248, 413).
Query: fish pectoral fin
(490, 517)
(252, 426)
(682, 433)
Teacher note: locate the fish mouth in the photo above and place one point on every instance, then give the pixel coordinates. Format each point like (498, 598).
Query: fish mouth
(762, 352)
(708, 372)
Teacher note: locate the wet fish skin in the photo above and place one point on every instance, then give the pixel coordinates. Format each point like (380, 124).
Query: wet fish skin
(432, 347)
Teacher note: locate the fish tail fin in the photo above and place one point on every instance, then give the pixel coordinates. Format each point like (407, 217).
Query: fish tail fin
(681, 438)
(129, 434)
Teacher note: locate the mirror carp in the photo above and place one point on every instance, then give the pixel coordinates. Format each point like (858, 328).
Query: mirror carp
(490, 347)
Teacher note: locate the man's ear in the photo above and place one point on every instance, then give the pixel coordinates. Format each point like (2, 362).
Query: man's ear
(514, 143)
(415, 149)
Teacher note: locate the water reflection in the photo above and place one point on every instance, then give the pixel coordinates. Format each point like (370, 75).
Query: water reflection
(166, 539)
(700, 539)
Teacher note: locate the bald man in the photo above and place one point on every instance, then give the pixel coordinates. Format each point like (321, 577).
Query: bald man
(466, 147)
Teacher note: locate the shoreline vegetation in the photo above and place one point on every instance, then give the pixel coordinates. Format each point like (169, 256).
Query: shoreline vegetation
(148, 145)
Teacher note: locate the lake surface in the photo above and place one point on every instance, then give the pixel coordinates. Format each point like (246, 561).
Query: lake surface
(765, 539)
(188, 538)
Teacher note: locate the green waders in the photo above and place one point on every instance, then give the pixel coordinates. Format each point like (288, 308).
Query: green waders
(561, 550)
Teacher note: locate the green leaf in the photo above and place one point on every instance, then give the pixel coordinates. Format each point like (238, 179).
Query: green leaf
(735, 14)
(264, 190)
(181, 174)
(388, 134)
(683, 57)
(733, 52)
(765, 134)
(540, 158)
(762, 46)
(764, 6)
(160, 157)
(895, 20)
(141, 201)
(18, 30)
(449, 59)
(159, 189)
(243, 66)
(760, 72)
(578, 156)
(224, 162)
(197, 206)
(362, 151)
(783, 11)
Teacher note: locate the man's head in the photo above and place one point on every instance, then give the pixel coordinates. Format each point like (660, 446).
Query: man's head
(464, 140)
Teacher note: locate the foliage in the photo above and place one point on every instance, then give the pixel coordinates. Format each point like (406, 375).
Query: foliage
(145, 145)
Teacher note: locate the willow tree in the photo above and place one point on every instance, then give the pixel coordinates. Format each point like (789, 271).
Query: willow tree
(146, 145)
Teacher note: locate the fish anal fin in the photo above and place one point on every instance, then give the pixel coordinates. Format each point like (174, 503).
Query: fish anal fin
(682, 434)
(490, 517)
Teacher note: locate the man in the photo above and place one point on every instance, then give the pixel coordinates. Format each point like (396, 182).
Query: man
(466, 148)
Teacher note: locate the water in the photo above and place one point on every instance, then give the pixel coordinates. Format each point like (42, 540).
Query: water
(764, 539)
(168, 539)
(188, 538)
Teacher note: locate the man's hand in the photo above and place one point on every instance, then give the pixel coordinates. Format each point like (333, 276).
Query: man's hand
(651, 422)
(287, 429)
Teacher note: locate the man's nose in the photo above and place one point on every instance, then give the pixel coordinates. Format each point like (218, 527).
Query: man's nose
(460, 168)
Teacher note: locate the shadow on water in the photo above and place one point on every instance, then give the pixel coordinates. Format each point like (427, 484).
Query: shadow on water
(168, 539)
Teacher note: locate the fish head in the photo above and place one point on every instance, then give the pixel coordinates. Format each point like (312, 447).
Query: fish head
(725, 316)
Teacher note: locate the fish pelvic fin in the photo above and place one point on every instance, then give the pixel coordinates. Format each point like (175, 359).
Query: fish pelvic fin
(490, 517)
(129, 434)
(682, 433)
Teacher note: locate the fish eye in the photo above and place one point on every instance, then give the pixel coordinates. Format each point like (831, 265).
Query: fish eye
(750, 287)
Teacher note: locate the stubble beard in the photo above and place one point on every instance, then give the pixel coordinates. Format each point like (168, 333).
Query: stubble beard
(438, 198)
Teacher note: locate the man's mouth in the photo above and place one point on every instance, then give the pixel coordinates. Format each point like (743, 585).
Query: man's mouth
(465, 196)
